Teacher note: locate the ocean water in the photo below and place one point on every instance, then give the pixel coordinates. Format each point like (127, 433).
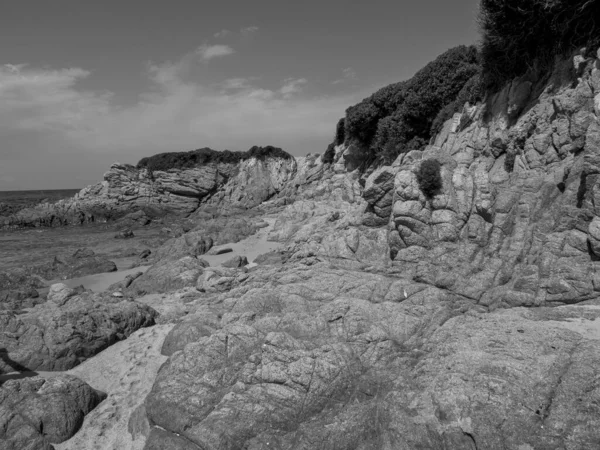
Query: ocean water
(36, 196)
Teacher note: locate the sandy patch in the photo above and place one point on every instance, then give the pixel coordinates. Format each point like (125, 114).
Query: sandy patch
(101, 281)
(251, 247)
(589, 328)
(126, 372)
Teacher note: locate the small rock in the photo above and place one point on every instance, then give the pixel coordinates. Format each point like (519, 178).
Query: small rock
(125, 234)
(145, 254)
(59, 293)
(220, 251)
(236, 262)
(117, 294)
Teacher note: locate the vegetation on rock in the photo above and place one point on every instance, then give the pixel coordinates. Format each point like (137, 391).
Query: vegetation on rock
(196, 158)
(520, 34)
(400, 117)
(429, 177)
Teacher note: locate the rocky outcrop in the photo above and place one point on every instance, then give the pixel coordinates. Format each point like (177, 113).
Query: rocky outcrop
(67, 329)
(126, 189)
(397, 319)
(37, 412)
(515, 221)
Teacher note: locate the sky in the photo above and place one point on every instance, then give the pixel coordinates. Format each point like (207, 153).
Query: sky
(84, 84)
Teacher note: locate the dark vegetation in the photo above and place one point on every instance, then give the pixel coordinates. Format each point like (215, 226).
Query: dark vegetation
(339, 138)
(196, 158)
(429, 177)
(403, 116)
(521, 35)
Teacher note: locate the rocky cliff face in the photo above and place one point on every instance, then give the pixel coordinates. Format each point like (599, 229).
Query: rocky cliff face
(398, 320)
(179, 192)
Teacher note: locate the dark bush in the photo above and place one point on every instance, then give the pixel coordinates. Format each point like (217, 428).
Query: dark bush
(429, 177)
(520, 34)
(329, 154)
(340, 132)
(399, 117)
(472, 92)
(196, 158)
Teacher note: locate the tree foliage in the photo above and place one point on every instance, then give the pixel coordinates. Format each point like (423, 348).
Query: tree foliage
(520, 34)
(399, 117)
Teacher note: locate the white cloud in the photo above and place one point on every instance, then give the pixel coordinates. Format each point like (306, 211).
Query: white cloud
(347, 74)
(175, 112)
(221, 34)
(208, 52)
(292, 86)
(249, 30)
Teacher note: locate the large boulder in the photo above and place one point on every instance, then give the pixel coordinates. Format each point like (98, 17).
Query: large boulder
(66, 330)
(37, 412)
(169, 275)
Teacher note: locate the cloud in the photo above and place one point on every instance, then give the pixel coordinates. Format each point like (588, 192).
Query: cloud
(39, 99)
(347, 74)
(249, 30)
(175, 111)
(221, 34)
(292, 86)
(208, 52)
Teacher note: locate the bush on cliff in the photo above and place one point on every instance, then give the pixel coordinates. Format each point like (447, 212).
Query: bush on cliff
(429, 177)
(520, 34)
(399, 117)
(196, 158)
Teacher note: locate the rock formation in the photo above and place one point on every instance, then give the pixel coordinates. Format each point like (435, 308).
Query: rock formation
(462, 315)
(244, 183)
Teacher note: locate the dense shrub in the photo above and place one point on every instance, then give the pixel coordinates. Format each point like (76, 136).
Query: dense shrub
(429, 177)
(472, 92)
(340, 132)
(196, 158)
(329, 154)
(520, 34)
(399, 117)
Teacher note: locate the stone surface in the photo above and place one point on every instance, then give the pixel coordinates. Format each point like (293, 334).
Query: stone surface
(37, 412)
(236, 262)
(67, 330)
(168, 275)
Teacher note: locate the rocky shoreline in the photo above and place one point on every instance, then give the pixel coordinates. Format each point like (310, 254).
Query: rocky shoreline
(383, 317)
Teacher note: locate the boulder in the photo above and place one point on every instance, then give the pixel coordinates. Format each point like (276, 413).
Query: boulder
(37, 412)
(235, 262)
(125, 234)
(168, 275)
(220, 251)
(63, 332)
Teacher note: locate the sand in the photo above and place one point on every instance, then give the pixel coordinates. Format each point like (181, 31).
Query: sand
(251, 247)
(126, 372)
(101, 281)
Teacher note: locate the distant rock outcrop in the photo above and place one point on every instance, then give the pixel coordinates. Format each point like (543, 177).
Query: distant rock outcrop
(240, 182)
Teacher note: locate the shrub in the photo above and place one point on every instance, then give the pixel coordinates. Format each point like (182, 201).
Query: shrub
(196, 158)
(340, 132)
(399, 117)
(329, 154)
(429, 177)
(520, 34)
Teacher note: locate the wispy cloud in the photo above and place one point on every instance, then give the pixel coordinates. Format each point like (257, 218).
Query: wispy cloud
(249, 30)
(348, 74)
(292, 86)
(176, 111)
(221, 34)
(208, 52)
